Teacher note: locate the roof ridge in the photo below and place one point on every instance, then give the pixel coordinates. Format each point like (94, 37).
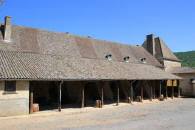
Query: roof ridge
(165, 47)
(40, 29)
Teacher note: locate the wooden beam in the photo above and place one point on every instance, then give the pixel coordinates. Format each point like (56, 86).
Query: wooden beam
(178, 88)
(131, 91)
(31, 100)
(60, 96)
(172, 90)
(160, 91)
(166, 90)
(151, 93)
(142, 93)
(118, 96)
(154, 91)
(102, 94)
(83, 97)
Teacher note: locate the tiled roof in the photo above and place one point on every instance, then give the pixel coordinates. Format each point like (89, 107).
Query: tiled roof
(34, 66)
(166, 52)
(25, 39)
(176, 70)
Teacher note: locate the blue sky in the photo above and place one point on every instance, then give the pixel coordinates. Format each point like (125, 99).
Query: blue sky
(124, 21)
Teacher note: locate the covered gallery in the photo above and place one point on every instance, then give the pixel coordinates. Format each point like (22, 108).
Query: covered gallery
(57, 70)
(57, 81)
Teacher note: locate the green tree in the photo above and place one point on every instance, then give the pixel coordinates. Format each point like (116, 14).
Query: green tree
(1, 2)
(187, 58)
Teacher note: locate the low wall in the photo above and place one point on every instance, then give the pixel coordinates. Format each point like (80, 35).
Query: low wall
(15, 104)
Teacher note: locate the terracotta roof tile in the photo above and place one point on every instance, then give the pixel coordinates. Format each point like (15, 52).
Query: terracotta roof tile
(26, 39)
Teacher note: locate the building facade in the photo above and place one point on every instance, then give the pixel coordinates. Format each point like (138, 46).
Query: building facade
(60, 70)
(170, 63)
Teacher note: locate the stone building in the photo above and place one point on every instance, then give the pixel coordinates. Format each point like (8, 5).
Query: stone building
(186, 84)
(170, 63)
(60, 70)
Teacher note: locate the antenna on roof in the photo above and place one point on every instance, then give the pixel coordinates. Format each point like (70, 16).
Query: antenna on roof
(143, 60)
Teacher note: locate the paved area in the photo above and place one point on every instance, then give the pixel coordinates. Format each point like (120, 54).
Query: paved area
(171, 114)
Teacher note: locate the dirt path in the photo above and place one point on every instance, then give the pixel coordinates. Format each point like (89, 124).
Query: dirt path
(172, 114)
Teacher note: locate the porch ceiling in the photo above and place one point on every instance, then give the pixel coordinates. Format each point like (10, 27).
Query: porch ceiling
(32, 66)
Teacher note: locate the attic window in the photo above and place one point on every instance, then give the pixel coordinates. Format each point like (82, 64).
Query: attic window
(193, 79)
(108, 57)
(126, 59)
(143, 60)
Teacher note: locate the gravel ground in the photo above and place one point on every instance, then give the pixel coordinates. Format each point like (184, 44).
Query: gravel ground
(172, 114)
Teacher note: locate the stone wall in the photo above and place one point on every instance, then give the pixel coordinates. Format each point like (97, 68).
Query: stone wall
(15, 104)
(169, 64)
(186, 84)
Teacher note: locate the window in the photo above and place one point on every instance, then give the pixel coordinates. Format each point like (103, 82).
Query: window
(10, 87)
(192, 80)
(126, 59)
(109, 57)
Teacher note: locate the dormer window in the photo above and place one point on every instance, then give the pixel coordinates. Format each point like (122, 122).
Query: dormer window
(143, 60)
(126, 59)
(108, 57)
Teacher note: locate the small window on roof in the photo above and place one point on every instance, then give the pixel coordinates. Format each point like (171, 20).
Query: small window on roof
(193, 79)
(108, 57)
(126, 59)
(143, 60)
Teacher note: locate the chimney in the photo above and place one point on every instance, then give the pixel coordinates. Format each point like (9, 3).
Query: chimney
(151, 44)
(7, 28)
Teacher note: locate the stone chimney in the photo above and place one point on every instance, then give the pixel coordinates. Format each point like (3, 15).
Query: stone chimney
(7, 28)
(150, 44)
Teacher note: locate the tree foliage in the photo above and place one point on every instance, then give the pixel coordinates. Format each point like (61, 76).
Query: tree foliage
(1, 2)
(187, 58)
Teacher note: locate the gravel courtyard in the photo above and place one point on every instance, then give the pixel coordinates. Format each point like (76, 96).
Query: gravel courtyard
(171, 114)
